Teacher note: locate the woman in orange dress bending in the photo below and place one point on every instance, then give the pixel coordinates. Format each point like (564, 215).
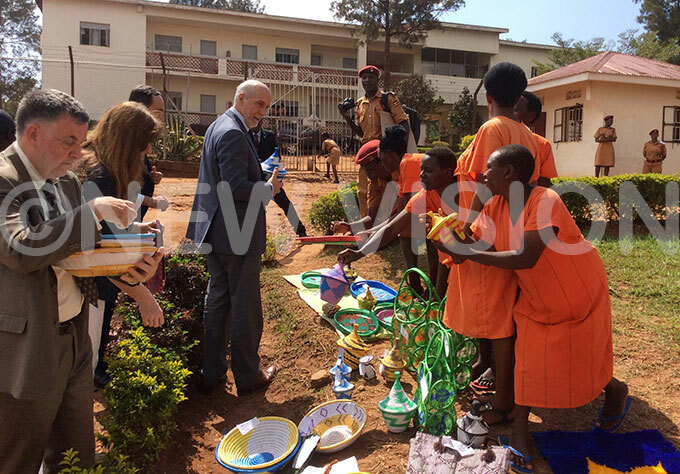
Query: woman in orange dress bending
(563, 350)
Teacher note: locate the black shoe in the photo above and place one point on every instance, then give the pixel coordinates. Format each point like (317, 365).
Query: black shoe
(101, 380)
(207, 389)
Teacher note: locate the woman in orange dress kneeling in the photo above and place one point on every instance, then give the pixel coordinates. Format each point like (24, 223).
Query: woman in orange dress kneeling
(563, 349)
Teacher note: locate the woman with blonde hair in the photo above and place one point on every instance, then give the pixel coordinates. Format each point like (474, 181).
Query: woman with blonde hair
(113, 161)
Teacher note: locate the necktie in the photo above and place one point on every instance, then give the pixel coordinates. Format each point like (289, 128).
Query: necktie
(256, 138)
(87, 285)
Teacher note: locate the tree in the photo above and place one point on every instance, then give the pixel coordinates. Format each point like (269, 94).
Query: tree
(462, 114)
(570, 51)
(248, 6)
(647, 45)
(419, 93)
(662, 19)
(406, 20)
(19, 43)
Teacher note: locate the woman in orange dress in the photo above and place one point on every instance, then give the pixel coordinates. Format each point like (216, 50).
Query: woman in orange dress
(605, 137)
(563, 349)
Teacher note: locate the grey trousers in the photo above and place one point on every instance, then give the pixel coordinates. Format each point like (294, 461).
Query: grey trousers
(233, 313)
(33, 430)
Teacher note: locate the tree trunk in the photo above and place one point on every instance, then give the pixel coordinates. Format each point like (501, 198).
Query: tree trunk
(388, 37)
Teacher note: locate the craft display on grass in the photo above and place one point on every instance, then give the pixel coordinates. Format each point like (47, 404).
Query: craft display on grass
(366, 370)
(274, 161)
(342, 388)
(472, 429)
(338, 422)
(259, 445)
(311, 279)
(397, 409)
(384, 312)
(391, 362)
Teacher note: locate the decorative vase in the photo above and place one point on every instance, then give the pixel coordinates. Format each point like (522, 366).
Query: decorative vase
(342, 387)
(274, 161)
(340, 367)
(354, 347)
(392, 362)
(472, 429)
(439, 223)
(333, 285)
(397, 409)
(366, 370)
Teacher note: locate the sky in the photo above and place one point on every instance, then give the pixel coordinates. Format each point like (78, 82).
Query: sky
(532, 20)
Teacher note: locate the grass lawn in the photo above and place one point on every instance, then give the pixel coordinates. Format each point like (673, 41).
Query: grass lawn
(645, 288)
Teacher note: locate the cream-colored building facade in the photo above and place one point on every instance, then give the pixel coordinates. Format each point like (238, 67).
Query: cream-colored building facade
(641, 94)
(310, 65)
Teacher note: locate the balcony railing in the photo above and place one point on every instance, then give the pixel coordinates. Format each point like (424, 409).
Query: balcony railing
(183, 63)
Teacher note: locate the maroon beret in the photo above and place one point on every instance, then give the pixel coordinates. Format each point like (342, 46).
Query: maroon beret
(371, 69)
(367, 153)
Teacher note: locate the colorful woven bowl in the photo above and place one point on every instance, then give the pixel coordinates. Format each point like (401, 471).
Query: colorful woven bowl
(346, 318)
(381, 292)
(104, 261)
(385, 313)
(263, 449)
(311, 279)
(338, 423)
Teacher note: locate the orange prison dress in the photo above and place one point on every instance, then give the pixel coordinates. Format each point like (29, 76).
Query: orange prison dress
(563, 351)
(479, 299)
(545, 160)
(409, 174)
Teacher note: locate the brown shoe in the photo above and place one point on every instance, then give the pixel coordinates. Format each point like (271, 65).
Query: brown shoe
(266, 377)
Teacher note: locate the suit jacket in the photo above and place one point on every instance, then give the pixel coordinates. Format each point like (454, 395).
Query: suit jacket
(230, 190)
(29, 313)
(267, 144)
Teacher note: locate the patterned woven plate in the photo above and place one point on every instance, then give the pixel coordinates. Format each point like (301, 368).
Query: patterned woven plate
(381, 292)
(346, 318)
(331, 415)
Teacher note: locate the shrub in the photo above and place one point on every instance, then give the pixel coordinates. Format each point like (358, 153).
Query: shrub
(465, 142)
(147, 384)
(269, 255)
(329, 208)
(180, 145)
(652, 188)
(423, 149)
(112, 461)
(440, 143)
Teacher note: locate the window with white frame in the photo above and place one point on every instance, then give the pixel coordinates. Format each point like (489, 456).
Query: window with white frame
(249, 51)
(286, 55)
(534, 71)
(208, 48)
(568, 126)
(171, 44)
(671, 124)
(95, 34)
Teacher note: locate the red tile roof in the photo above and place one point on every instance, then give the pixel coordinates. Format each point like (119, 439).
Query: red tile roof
(619, 64)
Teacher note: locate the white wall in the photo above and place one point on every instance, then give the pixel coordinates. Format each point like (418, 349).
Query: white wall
(523, 56)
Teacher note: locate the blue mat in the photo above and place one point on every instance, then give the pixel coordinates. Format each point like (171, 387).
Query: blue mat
(566, 452)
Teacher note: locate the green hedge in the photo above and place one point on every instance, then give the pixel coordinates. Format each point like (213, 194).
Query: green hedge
(652, 188)
(328, 208)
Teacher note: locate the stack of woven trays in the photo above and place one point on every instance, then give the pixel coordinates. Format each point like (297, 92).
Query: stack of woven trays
(113, 255)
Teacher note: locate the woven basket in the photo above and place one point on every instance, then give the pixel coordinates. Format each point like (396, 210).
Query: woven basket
(328, 417)
(262, 449)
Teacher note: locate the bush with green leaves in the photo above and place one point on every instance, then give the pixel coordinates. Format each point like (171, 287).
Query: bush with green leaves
(112, 461)
(179, 143)
(652, 188)
(465, 142)
(147, 383)
(329, 208)
(440, 143)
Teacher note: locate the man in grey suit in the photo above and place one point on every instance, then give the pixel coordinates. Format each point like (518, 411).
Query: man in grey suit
(45, 353)
(228, 223)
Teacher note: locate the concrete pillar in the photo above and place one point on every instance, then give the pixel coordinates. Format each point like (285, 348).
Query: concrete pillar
(362, 53)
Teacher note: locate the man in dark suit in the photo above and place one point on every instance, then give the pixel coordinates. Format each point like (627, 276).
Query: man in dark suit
(265, 141)
(45, 352)
(228, 223)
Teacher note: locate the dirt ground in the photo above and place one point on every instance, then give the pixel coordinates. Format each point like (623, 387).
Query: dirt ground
(650, 371)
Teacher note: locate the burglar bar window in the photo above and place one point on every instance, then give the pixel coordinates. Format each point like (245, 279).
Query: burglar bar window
(168, 43)
(95, 34)
(568, 126)
(285, 55)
